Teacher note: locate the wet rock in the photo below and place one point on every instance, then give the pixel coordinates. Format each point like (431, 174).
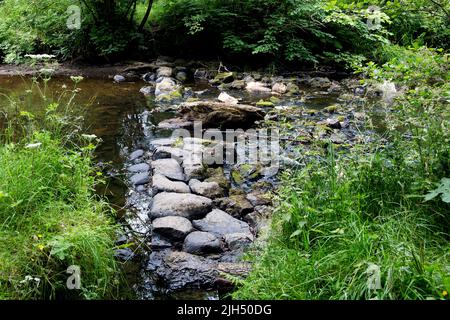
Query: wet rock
(182, 270)
(221, 223)
(159, 242)
(180, 204)
(175, 123)
(237, 205)
(164, 72)
(147, 91)
(119, 78)
(257, 87)
(161, 184)
(223, 77)
(279, 88)
(169, 168)
(167, 90)
(238, 85)
(181, 76)
(217, 114)
(199, 242)
(206, 189)
(293, 89)
(236, 241)
(173, 227)
(141, 167)
(257, 198)
(194, 171)
(136, 154)
(149, 77)
(124, 254)
(217, 175)
(140, 179)
(333, 123)
(162, 142)
(168, 152)
(320, 82)
(226, 98)
(335, 87)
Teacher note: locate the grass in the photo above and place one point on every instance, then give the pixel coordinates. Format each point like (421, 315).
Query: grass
(50, 217)
(355, 224)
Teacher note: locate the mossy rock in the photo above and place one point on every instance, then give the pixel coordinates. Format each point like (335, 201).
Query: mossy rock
(217, 175)
(262, 103)
(332, 109)
(275, 100)
(223, 77)
(191, 99)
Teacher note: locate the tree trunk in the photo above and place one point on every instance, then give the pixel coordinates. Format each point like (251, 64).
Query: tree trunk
(146, 16)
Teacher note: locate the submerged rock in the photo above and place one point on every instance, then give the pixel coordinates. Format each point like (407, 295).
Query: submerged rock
(199, 242)
(172, 227)
(185, 205)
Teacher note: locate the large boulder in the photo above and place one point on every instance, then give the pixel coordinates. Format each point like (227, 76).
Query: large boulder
(218, 114)
(175, 228)
(162, 184)
(199, 242)
(180, 204)
(169, 168)
(221, 223)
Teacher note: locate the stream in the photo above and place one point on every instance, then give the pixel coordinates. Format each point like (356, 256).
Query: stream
(127, 122)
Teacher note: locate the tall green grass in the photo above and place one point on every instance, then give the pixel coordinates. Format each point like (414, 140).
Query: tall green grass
(50, 217)
(346, 215)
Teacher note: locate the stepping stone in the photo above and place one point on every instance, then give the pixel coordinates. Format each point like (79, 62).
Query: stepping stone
(141, 167)
(175, 228)
(169, 168)
(136, 154)
(185, 205)
(199, 242)
(221, 223)
(140, 179)
(162, 184)
(206, 189)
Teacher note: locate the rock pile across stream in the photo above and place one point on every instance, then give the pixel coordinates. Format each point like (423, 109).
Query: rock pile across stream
(194, 220)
